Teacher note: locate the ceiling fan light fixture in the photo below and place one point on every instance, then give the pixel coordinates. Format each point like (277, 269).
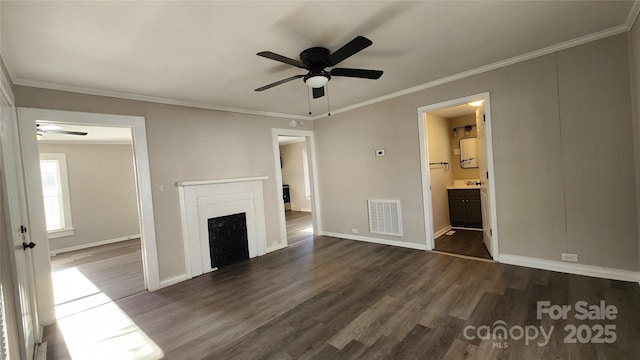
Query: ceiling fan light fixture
(316, 81)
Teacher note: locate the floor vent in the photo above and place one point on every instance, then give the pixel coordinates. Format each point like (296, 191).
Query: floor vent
(385, 217)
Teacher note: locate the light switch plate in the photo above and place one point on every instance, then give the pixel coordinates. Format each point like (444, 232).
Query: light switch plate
(456, 151)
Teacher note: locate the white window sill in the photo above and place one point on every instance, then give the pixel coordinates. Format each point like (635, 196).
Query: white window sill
(60, 233)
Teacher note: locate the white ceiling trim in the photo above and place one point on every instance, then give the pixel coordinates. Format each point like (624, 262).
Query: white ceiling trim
(500, 64)
(5, 86)
(152, 99)
(633, 14)
(97, 142)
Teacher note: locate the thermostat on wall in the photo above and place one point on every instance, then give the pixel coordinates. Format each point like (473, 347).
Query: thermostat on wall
(380, 152)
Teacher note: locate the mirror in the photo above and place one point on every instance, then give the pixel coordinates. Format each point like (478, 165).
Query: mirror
(468, 153)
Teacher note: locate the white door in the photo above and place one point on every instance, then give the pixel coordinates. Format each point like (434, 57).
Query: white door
(15, 212)
(481, 155)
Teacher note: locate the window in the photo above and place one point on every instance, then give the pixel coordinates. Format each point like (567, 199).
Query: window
(55, 191)
(305, 168)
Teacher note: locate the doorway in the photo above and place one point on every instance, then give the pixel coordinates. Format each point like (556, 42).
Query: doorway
(136, 126)
(296, 188)
(457, 163)
(91, 211)
(295, 178)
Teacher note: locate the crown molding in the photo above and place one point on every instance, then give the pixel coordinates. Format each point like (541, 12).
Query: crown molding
(152, 99)
(479, 70)
(82, 142)
(5, 83)
(633, 15)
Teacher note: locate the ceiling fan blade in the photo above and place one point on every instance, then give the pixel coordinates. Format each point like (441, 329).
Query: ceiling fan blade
(278, 83)
(357, 73)
(318, 92)
(352, 47)
(284, 59)
(65, 132)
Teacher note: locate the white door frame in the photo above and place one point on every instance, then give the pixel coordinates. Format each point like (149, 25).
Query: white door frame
(20, 316)
(27, 118)
(426, 176)
(315, 205)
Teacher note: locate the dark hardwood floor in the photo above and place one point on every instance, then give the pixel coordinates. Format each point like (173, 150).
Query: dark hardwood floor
(339, 299)
(299, 226)
(463, 242)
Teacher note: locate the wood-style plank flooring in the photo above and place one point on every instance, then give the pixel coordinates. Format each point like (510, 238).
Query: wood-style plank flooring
(340, 299)
(299, 226)
(463, 242)
(115, 269)
(87, 279)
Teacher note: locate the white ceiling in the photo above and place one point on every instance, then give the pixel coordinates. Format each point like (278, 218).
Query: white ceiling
(454, 111)
(203, 53)
(95, 134)
(286, 140)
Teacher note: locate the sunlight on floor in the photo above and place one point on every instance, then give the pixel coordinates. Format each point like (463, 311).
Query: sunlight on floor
(308, 230)
(93, 326)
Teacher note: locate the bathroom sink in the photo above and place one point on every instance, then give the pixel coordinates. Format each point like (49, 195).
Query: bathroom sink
(465, 184)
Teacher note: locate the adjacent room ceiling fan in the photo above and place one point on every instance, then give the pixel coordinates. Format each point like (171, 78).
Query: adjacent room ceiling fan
(42, 129)
(317, 59)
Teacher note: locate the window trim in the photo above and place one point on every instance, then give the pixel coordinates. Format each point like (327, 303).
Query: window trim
(68, 228)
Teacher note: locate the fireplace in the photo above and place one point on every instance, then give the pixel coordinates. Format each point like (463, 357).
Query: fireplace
(201, 201)
(228, 242)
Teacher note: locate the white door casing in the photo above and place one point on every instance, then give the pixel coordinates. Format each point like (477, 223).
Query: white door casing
(26, 120)
(490, 221)
(313, 179)
(484, 189)
(15, 210)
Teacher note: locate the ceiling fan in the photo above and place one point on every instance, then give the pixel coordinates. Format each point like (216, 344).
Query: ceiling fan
(42, 129)
(317, 59)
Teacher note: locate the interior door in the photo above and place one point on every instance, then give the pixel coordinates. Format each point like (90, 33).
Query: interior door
(481, 155)
(15, 210)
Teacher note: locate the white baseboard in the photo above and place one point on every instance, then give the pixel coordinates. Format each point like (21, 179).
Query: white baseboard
(90, 245)
(276, 247)
(173, 280)
(376, 240)
(571, 268)
(465, 228)
(441, 232)
(305, 209)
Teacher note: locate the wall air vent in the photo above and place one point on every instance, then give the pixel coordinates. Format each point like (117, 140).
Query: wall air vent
(385, 217)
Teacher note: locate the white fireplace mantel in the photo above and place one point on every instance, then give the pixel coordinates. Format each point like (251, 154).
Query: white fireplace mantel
(204, 199)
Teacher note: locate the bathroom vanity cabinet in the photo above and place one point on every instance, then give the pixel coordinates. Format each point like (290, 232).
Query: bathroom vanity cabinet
(465, 209)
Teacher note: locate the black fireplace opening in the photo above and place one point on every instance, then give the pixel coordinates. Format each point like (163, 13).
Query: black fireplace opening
(228, 241)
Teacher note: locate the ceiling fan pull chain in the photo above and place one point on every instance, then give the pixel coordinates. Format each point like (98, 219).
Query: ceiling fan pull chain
(309, 98)
(328, 105)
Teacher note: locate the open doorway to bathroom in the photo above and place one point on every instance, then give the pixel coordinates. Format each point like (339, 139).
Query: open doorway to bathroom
(456, 168)
(296, 188)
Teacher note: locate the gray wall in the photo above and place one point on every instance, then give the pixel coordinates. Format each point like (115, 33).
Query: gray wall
(563, 146)
(563, 152)
(102, 192)
(293, 175)
(185, 144)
